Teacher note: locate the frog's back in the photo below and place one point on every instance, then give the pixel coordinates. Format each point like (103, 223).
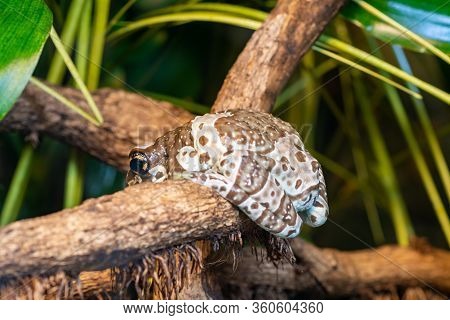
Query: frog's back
(277, 142)
(202, 143)
(251, 131)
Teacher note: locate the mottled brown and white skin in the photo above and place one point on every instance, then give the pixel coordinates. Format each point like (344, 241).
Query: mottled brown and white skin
(254, 160)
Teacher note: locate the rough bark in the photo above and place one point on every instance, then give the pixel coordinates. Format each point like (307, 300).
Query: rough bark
(130, 120)
(114, 229)
(387, 271)
(272, 53)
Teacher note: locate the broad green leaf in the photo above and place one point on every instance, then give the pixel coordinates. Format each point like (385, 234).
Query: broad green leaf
(24, 27)
(430, 19)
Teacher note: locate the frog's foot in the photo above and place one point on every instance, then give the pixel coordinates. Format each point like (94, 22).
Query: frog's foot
(277, 217)
(317, 214)
(132, 178)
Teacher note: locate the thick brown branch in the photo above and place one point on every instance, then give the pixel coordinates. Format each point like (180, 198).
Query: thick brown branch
(385, 272)
(272, 53)
(130, 120)
(115, 229)
(332, 274)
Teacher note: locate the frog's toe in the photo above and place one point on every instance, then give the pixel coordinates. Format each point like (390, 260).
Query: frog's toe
(317, 214)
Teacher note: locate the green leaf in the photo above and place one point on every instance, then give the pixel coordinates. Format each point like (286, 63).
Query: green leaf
(24, 27)
(430, 19)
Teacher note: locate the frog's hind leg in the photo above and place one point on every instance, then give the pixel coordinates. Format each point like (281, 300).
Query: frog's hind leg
(283, 221)
(217, 182)
(228, 190)
(267, 204)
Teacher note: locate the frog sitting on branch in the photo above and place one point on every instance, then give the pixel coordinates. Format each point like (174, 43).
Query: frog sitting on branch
(252, 159)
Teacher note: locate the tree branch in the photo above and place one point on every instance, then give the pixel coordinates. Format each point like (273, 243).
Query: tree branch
(115, 229)
(130, 120)
(332, 274)
(265, 65)
(419, 272)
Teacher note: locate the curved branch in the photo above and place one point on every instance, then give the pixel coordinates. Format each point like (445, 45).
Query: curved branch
(272, 53)
(385, 272)
(129, 120)
(332, 274)
(115, 229)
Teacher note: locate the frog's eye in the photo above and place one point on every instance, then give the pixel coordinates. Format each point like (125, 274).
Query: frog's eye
(139, 164)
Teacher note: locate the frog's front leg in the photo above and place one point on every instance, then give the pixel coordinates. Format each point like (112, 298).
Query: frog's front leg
(279, 219)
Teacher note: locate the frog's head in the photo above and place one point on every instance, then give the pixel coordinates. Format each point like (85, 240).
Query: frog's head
(146, 164)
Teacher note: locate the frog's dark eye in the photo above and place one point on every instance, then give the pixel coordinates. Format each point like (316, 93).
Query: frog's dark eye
(139, 165)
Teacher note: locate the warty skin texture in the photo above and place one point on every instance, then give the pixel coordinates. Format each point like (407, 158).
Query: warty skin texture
(254, 160)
